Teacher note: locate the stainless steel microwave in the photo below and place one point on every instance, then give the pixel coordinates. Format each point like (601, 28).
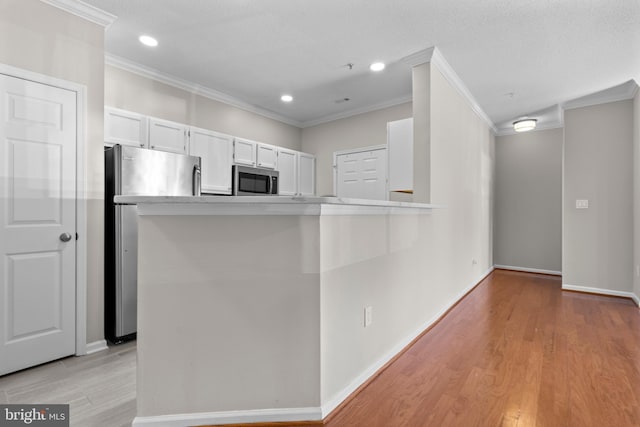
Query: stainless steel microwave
(248, 181)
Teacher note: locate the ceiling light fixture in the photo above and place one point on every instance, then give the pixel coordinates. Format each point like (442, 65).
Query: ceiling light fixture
(148, 41)
(286, 98)
(377, 66)
(524, 125)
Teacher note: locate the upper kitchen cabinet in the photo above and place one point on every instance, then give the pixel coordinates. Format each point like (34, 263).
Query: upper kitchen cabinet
(267, 156)
(124, 128)
(216, 151)
(244, 152)
(400, 147)
(296, 173)
(167, 136)
(288, 172)
(306, 174)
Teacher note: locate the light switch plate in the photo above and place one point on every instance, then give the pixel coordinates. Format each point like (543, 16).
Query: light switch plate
(368, 316)
(582, 204)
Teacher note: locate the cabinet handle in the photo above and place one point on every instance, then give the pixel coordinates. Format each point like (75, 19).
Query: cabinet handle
(142, 145)
(153, 147)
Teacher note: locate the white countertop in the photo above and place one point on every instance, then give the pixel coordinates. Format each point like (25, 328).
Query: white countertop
(268, 205)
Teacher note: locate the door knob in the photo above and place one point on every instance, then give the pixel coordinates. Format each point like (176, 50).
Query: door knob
(65, 237)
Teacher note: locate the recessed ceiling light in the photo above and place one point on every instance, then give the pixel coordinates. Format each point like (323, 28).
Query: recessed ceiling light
(148, 41)
(524, 125)
(286, 98)
(377, 66)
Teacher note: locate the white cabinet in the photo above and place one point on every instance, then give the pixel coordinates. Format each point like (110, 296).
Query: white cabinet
(244, 152)
(216, 151)
(167, 136)
(306, 174)
(267, 156)
(124, 128)
(400, 145)
(296, 173)
(288, 172)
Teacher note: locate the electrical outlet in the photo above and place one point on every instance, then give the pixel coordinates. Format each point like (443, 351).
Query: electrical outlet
(368, 316)
(582, 204)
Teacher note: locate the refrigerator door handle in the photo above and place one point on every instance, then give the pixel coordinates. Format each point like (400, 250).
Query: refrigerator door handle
(197, 176)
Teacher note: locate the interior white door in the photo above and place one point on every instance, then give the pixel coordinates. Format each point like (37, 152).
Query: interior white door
(362, 175)
(37, 223)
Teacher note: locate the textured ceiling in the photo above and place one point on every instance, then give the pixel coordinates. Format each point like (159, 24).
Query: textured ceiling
(515, 57)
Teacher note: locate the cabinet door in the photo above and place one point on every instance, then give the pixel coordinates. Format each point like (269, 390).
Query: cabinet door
(244, 152)
(167, 136)
(266, 156)
(306, 174)
(216, 151)
(288, 176)
(124, 128)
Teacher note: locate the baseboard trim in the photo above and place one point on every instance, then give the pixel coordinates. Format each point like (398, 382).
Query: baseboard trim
(635, 299)
(96, 346)
(600, 291)
(280, 415)
(342, 398)
(528, 270)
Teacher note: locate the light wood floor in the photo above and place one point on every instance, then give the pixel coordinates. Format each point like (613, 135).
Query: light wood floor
(517, 351)
(100, 388)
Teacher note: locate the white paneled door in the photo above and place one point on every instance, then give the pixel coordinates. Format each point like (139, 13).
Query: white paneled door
(37, 223)
(362, 174)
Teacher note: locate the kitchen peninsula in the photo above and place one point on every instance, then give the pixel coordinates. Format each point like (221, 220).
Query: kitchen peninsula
(252, 309)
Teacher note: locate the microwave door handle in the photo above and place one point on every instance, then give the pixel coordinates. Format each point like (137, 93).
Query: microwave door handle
(270, 185)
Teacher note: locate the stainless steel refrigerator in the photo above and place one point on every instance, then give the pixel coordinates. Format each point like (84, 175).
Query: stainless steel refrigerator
(135, 171)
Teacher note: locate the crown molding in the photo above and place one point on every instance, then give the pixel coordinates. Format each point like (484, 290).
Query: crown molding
(84, 10)
(629, 90)
(452, 77)
(419, 58)
(356, 111)
(153, 74)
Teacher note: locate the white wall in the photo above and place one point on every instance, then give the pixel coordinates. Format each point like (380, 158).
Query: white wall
(462, 176)
(43, 39)
(598, 166)
(528, 200)
(636, 190)
(453, 246)
(358, 131)
(133, 92)
(421, 89)
(229, 314)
